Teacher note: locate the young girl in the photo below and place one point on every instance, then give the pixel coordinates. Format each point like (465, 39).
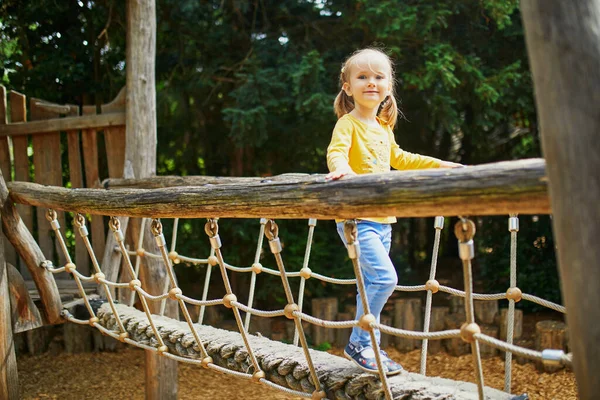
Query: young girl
(362, 143)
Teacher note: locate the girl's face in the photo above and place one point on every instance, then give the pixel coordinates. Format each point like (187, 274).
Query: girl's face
(369, 80)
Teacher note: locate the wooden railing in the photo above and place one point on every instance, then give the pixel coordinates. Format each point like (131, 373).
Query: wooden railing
(35, 140)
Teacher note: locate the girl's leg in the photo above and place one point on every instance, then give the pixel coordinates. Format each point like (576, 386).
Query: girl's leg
(379, 274)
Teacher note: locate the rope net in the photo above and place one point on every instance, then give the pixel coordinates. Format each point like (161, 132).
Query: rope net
(250, 357)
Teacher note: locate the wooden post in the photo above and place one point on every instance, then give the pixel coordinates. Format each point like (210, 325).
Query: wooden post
(140, 150)
(563, 41)
(325, 308)
(5, 165)
(9, 380)
(408, 315)
(485, 311)
(436, 324)
(502, 321)
(550, 335)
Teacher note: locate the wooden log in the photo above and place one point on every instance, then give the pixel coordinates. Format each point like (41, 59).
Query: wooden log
(25, 314)
(550, 335)
(526, 343)
(485, 311)
(455, 346)
(342, 336)
(499, 188)
(408, 315)
(335, 373)
(457, 305)
(436, 324)
(21, 239)
(563, 40)
(5, 166)
(48, 171)
(325, 308)
(485, 350)
(141, 138)
(63, 124)
(386, 340)
(502, 321)
(9, 378)
(77, 338)
(18, 113)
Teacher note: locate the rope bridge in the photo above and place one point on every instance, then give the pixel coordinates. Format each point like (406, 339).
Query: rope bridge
(289, 368)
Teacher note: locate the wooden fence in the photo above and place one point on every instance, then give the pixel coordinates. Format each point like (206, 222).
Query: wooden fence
(60, 145)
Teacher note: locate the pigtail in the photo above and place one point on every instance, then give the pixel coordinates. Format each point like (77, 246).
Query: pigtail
(389, 111)
(343, 104)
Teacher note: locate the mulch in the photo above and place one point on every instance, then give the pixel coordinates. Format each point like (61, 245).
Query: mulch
(120, 375)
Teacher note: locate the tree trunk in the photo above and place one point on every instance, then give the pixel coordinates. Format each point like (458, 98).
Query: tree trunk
(563, 41)
(140, 150)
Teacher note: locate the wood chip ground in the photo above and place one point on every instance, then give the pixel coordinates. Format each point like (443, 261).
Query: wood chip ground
(120, 375)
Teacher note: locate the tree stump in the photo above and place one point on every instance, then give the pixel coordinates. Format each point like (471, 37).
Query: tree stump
(526, 343)
(342, 336)
(502, 322)
(408, 315)
(78, 338)
(455, 346)
(485, 350)
(260, 325)
(436, 324)
(485, 311)
(324, 308)
(550, 335)
(385, 338)
(457, 305)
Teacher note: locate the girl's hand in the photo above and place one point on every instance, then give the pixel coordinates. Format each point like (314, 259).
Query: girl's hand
(450, 164)
(339, 173)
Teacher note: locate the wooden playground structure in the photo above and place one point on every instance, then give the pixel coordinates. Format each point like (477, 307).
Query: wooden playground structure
(569, 117)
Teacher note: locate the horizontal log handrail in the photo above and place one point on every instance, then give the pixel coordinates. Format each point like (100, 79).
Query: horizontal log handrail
(490, 189)
(63, 124)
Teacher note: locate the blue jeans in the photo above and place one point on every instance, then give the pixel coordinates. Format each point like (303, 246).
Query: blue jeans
(378, 272)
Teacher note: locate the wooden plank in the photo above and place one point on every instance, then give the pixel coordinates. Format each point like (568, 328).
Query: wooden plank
(92, 178)
(5, 165)
(47, 165)
(63, 124)
(563, 41)
(20, 237)
(490, 189)
(114, 138)
(18, 113)
(82, 259)
(9, 378)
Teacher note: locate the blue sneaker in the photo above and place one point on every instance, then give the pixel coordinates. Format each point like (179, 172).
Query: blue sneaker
(363, 357)
(392, 366)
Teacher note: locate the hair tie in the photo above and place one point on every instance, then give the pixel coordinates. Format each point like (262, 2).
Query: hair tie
(343, 69)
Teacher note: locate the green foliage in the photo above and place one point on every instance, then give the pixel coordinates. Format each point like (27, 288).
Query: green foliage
(246, 88)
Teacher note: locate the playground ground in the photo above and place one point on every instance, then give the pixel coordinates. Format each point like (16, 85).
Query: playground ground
(120, 375)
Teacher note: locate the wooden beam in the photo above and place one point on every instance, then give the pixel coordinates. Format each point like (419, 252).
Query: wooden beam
(9, 378)
(20, 237)
(140, 150)
(491, 189)
(563, 41)
(63, 124)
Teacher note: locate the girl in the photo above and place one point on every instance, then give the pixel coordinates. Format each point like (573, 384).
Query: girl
(362, 143)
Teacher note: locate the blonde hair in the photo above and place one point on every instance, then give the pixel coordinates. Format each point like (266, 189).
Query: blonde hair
(343, 104)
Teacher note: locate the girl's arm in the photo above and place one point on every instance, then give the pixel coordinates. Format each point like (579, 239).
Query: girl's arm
(338, 160)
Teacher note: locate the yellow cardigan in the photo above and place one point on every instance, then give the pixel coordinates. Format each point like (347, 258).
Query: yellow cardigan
(369, 149)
